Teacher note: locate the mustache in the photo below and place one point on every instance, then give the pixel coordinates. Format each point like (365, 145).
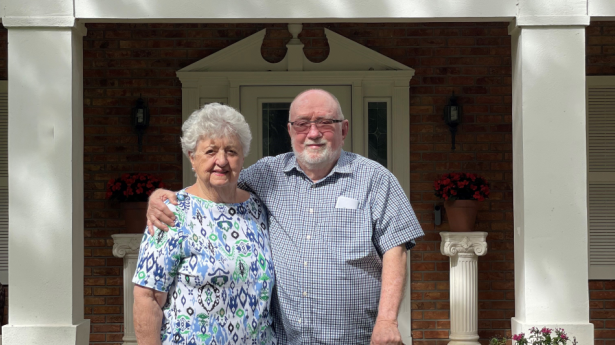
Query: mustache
(314, 142)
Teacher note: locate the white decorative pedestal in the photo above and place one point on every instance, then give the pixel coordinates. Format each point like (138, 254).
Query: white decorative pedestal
(464, 248)
(127, 246)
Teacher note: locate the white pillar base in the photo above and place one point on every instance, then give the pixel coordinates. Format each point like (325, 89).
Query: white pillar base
(127, 246)
(584, 332)
(474, 341)
(46, 334)
(464, 248)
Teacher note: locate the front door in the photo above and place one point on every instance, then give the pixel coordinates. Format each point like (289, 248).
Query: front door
(266, 109)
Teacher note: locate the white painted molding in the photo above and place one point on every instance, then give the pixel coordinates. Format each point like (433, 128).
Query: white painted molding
(218, 60)
(77, 334)
(553, 20)
(283, 11)
(46, 22)
(51, 21)
(342, 47)
(463, 248)
(295, 56)
(126, 244)
(236, 79)
(603, 9)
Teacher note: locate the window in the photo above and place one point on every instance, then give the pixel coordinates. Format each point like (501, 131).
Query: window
(275, 134)
(601, 176)
(378, 130)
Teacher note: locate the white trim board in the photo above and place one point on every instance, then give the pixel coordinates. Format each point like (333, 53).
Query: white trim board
(302, 11)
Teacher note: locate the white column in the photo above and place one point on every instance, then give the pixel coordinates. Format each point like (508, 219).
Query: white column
(45, 182)
(127, 246)
(549, 170)
(464, 248)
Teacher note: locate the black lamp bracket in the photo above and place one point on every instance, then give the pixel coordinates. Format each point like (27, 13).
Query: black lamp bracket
(453, 130)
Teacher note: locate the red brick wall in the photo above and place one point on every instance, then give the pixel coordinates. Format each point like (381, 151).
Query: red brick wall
(474, 61)
(123, 61)
(601, 61)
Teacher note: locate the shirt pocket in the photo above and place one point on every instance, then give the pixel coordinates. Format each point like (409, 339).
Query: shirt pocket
(349, 232)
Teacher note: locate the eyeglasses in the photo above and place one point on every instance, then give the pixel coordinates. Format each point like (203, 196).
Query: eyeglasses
(323, 125)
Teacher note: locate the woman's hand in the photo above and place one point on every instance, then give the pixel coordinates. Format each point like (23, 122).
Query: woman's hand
(158, 214)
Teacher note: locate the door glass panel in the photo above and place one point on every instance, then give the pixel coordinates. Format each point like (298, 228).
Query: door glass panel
(377, 131)
(275, 134)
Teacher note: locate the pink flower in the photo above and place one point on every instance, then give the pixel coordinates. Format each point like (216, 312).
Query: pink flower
(545, 330)
(518, 337)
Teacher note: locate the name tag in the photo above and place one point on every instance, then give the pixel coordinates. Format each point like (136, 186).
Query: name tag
(345, 202)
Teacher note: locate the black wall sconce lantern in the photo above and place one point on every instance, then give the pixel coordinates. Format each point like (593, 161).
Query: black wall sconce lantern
(452, 117)
(140, 119)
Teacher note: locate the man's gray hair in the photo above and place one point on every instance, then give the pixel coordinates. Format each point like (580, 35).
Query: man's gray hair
(339, 115)
(214, 121)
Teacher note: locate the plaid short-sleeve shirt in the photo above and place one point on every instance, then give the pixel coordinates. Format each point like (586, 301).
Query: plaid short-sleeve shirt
(328, 259)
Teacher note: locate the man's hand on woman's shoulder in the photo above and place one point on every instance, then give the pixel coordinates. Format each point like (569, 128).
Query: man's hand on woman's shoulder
(158, 214)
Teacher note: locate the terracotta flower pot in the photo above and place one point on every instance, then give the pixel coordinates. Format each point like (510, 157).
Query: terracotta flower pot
(461, 214)
(134, 217)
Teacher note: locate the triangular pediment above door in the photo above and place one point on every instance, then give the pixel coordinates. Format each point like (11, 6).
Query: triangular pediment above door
(344, 55)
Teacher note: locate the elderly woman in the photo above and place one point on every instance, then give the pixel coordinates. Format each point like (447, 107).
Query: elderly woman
(209, 279)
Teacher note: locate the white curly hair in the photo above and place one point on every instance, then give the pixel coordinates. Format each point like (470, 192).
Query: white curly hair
(214, 121)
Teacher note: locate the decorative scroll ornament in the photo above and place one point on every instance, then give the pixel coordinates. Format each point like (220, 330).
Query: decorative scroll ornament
(126, 244)
(463, 243)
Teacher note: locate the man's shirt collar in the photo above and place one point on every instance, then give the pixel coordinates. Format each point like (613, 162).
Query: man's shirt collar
(343, 165)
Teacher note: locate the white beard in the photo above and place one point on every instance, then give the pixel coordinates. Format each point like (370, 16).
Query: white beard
(316, 158)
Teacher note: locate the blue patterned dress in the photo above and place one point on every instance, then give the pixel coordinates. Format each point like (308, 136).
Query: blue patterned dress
(216, 266)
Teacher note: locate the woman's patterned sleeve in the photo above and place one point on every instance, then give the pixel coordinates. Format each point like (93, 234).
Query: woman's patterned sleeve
(160, 255)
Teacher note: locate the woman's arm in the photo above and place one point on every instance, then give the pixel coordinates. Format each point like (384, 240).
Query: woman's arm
(147, 314)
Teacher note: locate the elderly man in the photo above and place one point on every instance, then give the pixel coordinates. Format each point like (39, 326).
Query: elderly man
(340, 227)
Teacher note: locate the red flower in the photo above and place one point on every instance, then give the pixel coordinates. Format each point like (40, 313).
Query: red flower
(461, 186)
(132, 187)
